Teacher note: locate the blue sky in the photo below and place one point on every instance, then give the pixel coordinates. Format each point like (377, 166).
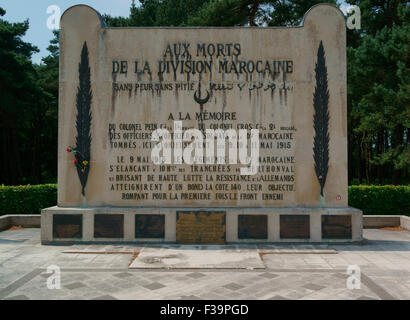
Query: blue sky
(36, 12)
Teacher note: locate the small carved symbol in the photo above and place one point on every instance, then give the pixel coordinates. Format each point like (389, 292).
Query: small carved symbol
(199, 100)
(201, 103)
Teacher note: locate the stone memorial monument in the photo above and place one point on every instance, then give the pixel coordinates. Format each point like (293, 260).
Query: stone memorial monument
(202, 135)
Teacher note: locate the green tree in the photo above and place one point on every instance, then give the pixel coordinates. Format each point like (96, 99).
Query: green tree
(177, 12)
(377, 14)
(291, 13)
(45, 129)
(215, 13)
(116, 21)
(145, 15)
(379, 93)
(223, 13)
(18, 98)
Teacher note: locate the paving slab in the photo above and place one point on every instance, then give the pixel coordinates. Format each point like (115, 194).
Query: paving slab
(186, 258)
(306, 272)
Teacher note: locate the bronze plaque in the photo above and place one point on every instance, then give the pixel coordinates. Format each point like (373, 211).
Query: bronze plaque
(251, 226)
(108, 226)
(294, 226)
(201, 227)
(68, 226)
(336, 227)
(149, 226)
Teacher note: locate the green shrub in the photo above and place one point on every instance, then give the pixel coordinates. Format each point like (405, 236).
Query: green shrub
(380, 199)
(27, 199)
(370, 199)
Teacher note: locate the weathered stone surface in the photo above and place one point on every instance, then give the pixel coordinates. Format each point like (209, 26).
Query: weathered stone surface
(231, 223)
(127, 107)
(384, 259)
(144, 79)
(190, 257)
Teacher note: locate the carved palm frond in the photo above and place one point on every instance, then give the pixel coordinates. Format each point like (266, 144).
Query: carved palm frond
(321, 119)
(83, 120)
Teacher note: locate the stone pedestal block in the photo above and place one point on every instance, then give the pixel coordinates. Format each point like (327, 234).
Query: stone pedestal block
(219, 226)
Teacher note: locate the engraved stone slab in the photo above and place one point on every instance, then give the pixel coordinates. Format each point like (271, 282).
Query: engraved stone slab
(336, 227)
(108, 226)
(188, 256)
(294, 226)
(149, 226)
(126, 94)
(201, 227)
(144, 79)
(67, 226)
(252, 226)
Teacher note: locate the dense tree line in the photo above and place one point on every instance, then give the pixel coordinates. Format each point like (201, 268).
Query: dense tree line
(378, 82)
(378, 59)
(28, 108)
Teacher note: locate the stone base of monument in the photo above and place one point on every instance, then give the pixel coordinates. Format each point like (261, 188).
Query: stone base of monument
(201, 225)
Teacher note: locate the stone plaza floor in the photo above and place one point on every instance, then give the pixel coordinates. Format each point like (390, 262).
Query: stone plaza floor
(205, 272)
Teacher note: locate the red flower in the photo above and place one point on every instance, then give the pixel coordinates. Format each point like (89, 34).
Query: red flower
(68, 150)
(75, 160)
